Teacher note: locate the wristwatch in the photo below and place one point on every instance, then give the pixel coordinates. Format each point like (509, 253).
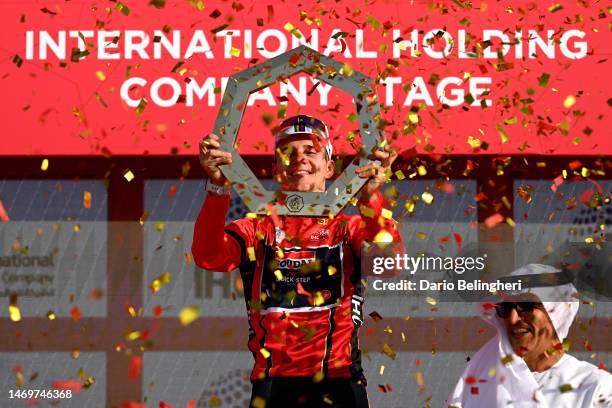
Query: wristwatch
(217, 190)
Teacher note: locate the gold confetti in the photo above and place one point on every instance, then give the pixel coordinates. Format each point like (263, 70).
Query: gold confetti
(388, 214)
(128, 175)
(44, 166)
(264, 353)
(159, 226)
(492, 372)
(235, 52)
(383, 236)
(160, 281)
(400, 175)
(422, 170)
(14, 313)
(251, 252)
(331, 270)
(569, 101)
(427, 197)
(77, 228)
(86, 199)
(382, 370)
(420, 379)
(188, 314)
(101, 76)
(50, 315)
(19, 379)
(278, 274)
(388, 350)
(507, 359)
(133, 335)
(431, 301)
(346, 70)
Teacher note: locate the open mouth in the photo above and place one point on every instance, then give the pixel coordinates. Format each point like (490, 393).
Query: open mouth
(520, 331)
(300, 173)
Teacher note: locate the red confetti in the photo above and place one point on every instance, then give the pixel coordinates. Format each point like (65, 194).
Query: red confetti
(493, 220)
(157, 310)
(470, 380)
(458, 240)
(132, 404)
(172, 191)
(72, 385)
(135, 366)
(3, 215)
(474, 390)
(75, 313)
(162, 404)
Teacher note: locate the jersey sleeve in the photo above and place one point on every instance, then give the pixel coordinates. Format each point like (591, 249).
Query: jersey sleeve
(370, 223)
(218, 247)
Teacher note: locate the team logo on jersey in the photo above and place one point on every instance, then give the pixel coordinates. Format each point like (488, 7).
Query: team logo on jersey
(320, 235)
(295, 260)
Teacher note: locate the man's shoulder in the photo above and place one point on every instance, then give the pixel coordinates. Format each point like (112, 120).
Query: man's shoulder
(590, 372)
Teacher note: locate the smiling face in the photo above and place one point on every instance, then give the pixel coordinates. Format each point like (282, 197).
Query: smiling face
(531, 333)
(302, 166)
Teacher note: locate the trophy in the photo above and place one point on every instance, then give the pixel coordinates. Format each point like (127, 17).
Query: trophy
(301, 59)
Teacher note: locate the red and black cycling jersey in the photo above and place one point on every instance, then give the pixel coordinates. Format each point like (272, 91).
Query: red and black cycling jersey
(303, 284)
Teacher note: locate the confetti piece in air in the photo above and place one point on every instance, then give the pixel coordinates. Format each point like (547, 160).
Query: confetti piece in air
(100, 75)
(75, 313)
(420, 379)
(569, 101)
(507, 359)
(383, 236)
(86, 199)
(493, 220)
(431, 301)
(19, 375)
(3, 214)
(44, 166)
(160, 281)
(543, 80)
(375, 316)
(122, 8)
(72, 385)
(17, 60)
(265, 353)
(132, 404)
(427, 197)
(135, 367)
(388, 350)
(14, 313)
(188, 314)
(128, 175)
(251, 253)
(565, 388)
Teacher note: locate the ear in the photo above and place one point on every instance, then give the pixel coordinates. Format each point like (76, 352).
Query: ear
(329, 172)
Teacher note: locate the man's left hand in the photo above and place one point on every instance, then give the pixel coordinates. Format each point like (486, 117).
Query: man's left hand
(377, 172)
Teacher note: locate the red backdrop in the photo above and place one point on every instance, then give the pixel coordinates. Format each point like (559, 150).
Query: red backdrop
(52, 106)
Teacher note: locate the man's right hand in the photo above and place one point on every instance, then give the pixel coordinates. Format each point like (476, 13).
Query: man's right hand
(211, 157)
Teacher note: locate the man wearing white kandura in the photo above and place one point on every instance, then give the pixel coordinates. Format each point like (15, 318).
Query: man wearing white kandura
(525, 364)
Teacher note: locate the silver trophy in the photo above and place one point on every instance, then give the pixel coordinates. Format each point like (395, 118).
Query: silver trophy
(301, 59)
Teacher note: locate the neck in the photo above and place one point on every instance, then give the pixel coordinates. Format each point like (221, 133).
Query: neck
(543, 361)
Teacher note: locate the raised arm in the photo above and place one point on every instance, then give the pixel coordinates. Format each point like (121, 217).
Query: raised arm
(214, 247)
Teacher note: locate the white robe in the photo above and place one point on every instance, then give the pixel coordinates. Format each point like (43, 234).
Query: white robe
(590, 386)
(497, 377)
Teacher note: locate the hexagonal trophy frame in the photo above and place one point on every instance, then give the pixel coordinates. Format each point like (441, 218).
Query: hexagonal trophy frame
(301, 59)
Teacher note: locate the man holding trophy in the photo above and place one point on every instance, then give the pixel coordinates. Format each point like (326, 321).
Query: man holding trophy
(302, 276)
